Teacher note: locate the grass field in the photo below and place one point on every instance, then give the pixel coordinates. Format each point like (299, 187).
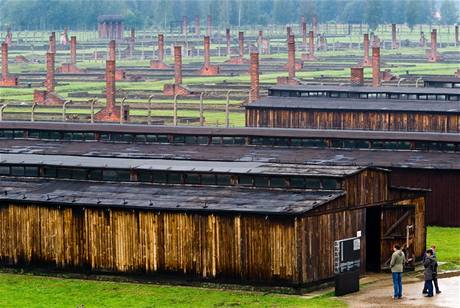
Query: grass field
(447, 241)
(34, 291)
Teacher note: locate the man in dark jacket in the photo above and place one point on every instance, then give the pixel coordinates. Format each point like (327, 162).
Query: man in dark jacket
(429, 264)
(397, 268)
(435, 271)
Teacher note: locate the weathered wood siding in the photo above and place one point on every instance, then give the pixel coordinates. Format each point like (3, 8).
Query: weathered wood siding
(253, 248)
(369, 186)
(370, 120)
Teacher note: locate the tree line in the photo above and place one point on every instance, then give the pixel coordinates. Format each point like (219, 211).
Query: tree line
(82, 14)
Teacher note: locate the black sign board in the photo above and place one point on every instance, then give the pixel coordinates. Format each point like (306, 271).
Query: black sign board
(347, 260)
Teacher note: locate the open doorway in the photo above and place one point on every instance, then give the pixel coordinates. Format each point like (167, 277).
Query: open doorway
(373, 215)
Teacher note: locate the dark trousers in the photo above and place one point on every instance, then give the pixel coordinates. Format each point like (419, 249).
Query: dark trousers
(397, 284)
(436, 286)
(429, 287)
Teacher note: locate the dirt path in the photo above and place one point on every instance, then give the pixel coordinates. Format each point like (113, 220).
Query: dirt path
(379, 294)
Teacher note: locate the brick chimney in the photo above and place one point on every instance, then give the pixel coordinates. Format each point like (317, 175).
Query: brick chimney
(241, 44)
(158, 63)
(376, 67)
(177, 65)
(456, 35)
(291, 57)
(228, 38)
(254, 74)
(208, 69)
(110, 89)
(433, 53)
(4, 61)
(312, 43)
(304, 34)
(132, 42)
(52, 43)
(394, 42)
(49, 83)
(302, 20)
(112, 51)
(366, 60)
(357, 76)
(288, 31)
(197, 25)
(260, 40)
(73, 50)
(314, 22)
(209, 25)
(184, 25)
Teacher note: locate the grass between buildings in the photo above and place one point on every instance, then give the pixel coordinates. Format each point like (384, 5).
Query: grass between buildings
(447, 241)
(35, 291)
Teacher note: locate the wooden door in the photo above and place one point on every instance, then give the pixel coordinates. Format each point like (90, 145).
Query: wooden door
(397, 226)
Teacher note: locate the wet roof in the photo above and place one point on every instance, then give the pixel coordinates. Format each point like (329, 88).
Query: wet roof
(243, 131)
(364, 89)
(235, 167)
(163, 197)
(441, 79)
(380, 158)
(347, 104)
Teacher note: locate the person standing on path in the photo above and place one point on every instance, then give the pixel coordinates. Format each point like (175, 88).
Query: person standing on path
(397, 267)
(429, 264)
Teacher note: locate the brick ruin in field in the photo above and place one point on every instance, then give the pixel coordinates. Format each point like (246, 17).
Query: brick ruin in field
(228, 39)
(304, 34)
(432, 53)
(48, 96)
(209, 26)
(197, 25)
(9, 37)
(7, 80)
(422, 41)
(357, 76)
(184, 25)
(64, 40)
(52, 43)
(292, 65)
(208, 69)
(111, 112)
(376, 82)
(240, 58)
(110, 27)
(366, 60)
(112, 56)
(159, 63)
(263, 44)
(71, 67)
(254, 92)
(176, 88)
(310, 56)
(456, 35)
(394, 41)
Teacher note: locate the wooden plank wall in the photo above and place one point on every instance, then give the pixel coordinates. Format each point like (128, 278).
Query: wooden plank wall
(249, 247)
(367, 187)
(371, 120)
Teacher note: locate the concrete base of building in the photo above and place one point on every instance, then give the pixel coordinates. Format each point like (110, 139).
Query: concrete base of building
(308, 57)
(433, 56)
(237, 60)
(120, 75)
(386, 75)
(21, 59)
(287, 81)
(68, 68)
(211, 70)
(366, 62)
(174, 89)
(10, 81)
(44, 97)
(298, 65)
(158, 65)
(108, 114)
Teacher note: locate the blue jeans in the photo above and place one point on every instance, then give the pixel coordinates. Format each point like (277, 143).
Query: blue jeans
(397, 284)
(429, 286)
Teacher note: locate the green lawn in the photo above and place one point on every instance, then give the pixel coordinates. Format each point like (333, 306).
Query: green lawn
(34, 291)
(447, 241)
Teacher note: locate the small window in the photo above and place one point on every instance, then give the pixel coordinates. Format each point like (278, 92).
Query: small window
(31, 171)
(330, 184)
(109, 175)
(312, 183)
(67, 136)
(261, 181)
(313, 143)
(151, 138)
(202, 140)
(178, 139)
(17, 170)
(140, 138)
(192, 178)
(278, 182)
(297, 182)
(95, 175)
(240, 140)
(227, 140)
(50, 172)
(245, 180)
(144, 176)
(162, 139)
(208, 179)
(190, 140)
(77, 136)
(175, 178)
(128, 138)
(89, 136)
(4, 170)
(123, 175)
(216, 140)
(79, 174)
(34, 134)
(160, 177)
(64, 173)
(18, 134)
(223, 179)
(104, 137)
